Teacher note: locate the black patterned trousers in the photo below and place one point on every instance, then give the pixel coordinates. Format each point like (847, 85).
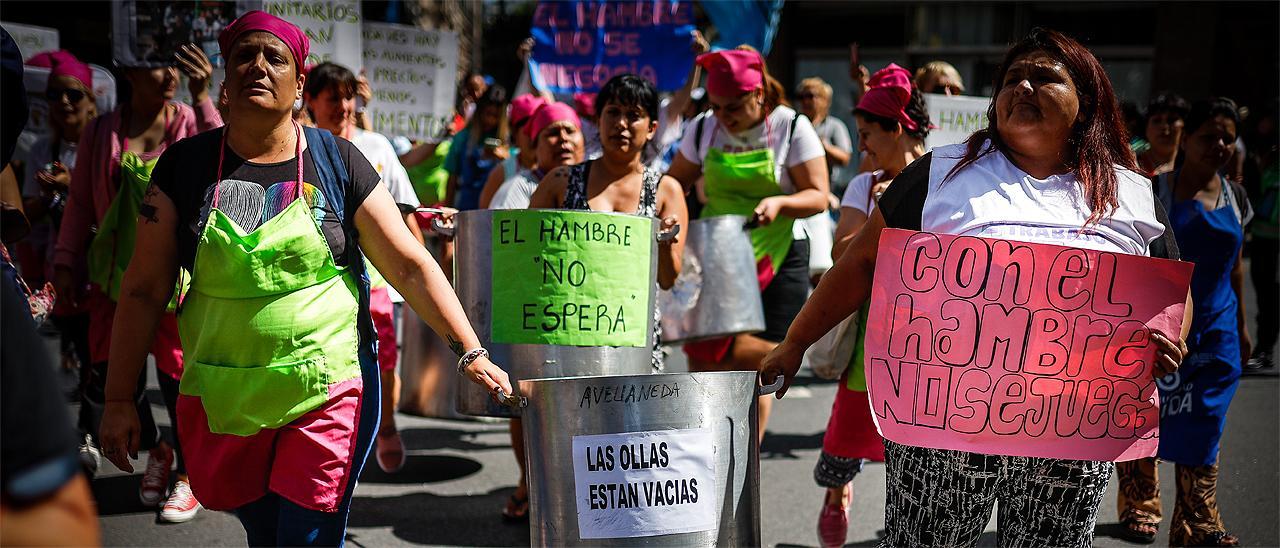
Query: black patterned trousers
(945, 498)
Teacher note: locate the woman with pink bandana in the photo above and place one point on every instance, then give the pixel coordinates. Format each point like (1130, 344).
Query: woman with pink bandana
(760, 159)
(113, 169)
(279, 400)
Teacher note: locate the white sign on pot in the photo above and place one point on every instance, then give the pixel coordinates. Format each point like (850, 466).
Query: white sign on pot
(640, 484)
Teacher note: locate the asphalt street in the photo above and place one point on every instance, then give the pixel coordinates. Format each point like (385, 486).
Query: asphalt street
(460, 473)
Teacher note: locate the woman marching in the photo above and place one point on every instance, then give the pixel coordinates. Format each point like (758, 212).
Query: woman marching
(761, 159)
(1055, 156)
(893, 122)
(279, 399)
(114, 162)
(1208, 213)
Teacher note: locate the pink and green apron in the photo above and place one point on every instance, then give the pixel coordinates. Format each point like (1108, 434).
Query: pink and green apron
(851, 432)
(108, 257)
(271, 396)
(735, 182)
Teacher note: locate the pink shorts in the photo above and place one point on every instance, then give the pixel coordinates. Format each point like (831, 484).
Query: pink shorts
(307, 461)
(167, 346)
(384, 323)
(851, 432)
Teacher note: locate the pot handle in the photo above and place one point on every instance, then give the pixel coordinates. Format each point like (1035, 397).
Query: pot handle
(513, 401)
(669, 235)
(766, 390)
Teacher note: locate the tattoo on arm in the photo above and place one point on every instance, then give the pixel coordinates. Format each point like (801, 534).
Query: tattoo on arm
(455, 345)
(147, 210)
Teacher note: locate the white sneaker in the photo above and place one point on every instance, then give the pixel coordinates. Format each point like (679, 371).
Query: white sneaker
(90, 456)
(155, 481)
(181, 506)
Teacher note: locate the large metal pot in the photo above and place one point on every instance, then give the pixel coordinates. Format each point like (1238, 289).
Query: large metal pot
(717, 293)
(668, 417)
(472, 280)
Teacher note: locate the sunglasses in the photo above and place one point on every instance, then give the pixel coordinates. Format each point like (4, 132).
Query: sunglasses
(73, 95)
(804, 96)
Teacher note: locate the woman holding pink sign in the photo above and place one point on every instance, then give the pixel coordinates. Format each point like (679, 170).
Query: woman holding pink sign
(1055, 158)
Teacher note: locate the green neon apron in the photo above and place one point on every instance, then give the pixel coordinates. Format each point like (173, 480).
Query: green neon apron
(735, 182)
(269, 322)
(112, 247)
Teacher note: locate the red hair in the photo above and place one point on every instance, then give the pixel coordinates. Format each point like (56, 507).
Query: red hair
(1098, 143)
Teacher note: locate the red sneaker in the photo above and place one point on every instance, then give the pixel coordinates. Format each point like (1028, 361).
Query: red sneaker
(155, 481)
(181, 506)
(833, 522)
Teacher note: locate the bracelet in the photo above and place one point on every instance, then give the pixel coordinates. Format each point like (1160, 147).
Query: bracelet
(470, 357)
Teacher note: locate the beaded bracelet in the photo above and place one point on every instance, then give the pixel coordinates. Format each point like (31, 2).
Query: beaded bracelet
(470, 357)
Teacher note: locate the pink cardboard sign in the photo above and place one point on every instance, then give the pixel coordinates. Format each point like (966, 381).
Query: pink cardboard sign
(1014, 348)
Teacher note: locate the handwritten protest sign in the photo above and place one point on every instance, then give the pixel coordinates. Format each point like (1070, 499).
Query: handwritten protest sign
(333, 26)
(572, 278)
(640, 484)
(956, 118)
(412, 74)
(1013, 348)
(580, 45)
(32, 39)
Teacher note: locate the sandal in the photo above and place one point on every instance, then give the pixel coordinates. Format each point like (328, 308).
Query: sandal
(1139, 532)
(517, 509)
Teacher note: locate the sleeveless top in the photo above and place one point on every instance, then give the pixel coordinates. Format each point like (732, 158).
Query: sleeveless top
(575, 198)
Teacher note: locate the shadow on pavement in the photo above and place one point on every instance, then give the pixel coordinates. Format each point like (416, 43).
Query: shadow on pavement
(422, 469)
(783, 446)
(430, 439)
(423, 518)
(119, 495)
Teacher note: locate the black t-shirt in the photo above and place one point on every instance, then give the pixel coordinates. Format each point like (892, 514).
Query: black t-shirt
(37, 438)
(902, 206)
(186, 172)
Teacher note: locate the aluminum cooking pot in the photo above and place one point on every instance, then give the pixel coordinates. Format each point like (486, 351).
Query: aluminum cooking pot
(717, 293)
(647, 460)
(473, 281)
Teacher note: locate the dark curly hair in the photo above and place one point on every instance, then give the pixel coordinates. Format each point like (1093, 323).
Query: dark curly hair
(915, 109)
(1098, 143)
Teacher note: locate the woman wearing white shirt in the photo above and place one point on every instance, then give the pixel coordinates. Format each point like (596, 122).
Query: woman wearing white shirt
(1053, 167)
(761, 159)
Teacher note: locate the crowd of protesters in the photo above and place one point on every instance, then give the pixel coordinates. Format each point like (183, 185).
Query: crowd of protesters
(172, 217)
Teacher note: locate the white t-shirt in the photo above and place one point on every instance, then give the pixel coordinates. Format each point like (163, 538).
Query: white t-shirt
(858, 194)
(516, 192)
(803, 146)
(378, 150)
(993, 198)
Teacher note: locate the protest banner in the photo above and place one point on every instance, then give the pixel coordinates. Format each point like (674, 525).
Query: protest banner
(640, 484)
(571, 278)
(413, 74)
(955, 117)
(31, 39)
(333, 26)
(580, 45)
(1014, 348)
(147, 33)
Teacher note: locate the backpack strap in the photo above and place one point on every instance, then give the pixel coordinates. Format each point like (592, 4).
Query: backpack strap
(697, 138)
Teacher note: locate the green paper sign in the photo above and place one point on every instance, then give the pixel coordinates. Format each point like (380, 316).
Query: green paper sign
(571, 278)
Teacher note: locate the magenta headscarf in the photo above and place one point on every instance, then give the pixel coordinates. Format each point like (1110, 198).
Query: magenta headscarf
(888, 93)
(261, 21)
(66, 64)
(523, 107)
(732, 72)
(549, 114)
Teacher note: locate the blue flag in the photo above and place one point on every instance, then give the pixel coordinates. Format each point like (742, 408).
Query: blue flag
(580, 45)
